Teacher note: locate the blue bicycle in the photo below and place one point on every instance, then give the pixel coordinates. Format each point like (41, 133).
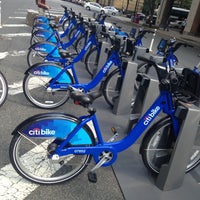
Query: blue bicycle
(53, 147)
(43, 52)
(47, 51)
(48, 33)
(63, 21)
(46, 84)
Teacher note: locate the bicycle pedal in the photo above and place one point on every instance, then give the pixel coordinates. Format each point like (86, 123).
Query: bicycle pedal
(92, 177)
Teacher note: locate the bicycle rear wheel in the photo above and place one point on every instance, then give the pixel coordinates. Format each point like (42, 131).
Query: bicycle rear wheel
(3, 89)
(158, 144)
(30, 156)
(35, 89)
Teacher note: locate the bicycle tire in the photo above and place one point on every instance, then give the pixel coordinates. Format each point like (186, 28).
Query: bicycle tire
(91, 61)
(71, 33)
(35, 88)
(36, 39)
(156, 152)
(34, 57)
(112, 86)
(3, 89)
(79, 44)
(65, 24)
(29, 155)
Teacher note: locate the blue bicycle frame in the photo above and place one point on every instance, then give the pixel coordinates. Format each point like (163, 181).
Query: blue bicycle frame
(136, 132)
(164, 103)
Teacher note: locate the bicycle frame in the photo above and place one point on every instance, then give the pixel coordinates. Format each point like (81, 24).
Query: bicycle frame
(136, 132)
(163, 103)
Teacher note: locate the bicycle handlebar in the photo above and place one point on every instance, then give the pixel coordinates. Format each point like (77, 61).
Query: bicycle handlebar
(171, 76)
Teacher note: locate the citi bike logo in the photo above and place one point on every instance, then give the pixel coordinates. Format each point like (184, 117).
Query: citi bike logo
(41, 132)
(107, 66)
(150, 116)
(39, 72)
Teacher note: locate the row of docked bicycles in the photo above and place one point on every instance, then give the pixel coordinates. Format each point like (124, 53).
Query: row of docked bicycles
(55, 147)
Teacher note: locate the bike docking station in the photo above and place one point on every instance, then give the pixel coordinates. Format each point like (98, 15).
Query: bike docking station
(171, 175)
(105, 46)
(122, 104)
(147, 92)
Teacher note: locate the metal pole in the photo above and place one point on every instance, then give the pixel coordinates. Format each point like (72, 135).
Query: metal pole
(0, 15)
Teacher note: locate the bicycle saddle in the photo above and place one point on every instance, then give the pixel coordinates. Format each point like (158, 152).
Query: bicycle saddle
(81, 98)
(84, 99)
(66, 54)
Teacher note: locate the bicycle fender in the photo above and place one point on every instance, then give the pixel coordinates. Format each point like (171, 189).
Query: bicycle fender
(43, 26)
(46, 47)
(49, 69)
(53, 125)
(46, 34)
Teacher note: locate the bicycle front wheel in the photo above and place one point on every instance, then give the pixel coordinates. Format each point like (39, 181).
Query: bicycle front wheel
(158, 144)
(91, 61)
(30, 158)
(35, 90)
(112, 87)
(3, 89)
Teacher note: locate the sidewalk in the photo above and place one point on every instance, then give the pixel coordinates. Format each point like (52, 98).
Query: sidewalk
(190, 39)
(187, 38)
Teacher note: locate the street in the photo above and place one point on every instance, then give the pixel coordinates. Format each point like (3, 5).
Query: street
(15, 40)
